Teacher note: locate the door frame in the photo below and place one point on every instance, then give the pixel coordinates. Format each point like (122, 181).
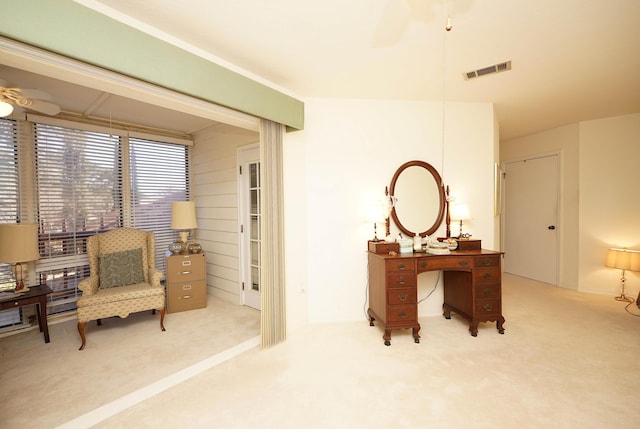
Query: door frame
(559, 198)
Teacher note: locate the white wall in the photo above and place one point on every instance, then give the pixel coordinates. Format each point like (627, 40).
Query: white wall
(341, 162)
(609, 203)
(565, 142)
(599, 178)
(215, 191)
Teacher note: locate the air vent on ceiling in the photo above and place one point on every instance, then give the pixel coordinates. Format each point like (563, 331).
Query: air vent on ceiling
(496, 68)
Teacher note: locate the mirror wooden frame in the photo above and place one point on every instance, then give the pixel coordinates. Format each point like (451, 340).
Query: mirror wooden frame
(443, 203)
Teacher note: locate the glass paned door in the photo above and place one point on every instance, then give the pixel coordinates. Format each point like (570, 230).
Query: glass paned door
(250, 217)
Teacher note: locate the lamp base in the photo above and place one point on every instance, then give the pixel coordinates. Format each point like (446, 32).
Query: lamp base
(20, 287)
(623, 298)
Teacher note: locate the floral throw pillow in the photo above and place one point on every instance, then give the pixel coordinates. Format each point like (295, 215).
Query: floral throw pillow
(121, 268)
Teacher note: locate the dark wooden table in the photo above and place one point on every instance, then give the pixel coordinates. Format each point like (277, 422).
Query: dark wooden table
(36, 295)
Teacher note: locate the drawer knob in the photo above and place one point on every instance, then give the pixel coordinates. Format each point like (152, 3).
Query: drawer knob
(488, 307)
(401, 266)
(487, 292)
(401, 280)
(463, 262)
(423, 264)
(486, 261)
(186, 297)
(402, 314)
(403, 297)
(487, 276)
(186, 272)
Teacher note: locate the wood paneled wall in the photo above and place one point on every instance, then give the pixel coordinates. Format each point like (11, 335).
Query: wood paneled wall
(215, 191)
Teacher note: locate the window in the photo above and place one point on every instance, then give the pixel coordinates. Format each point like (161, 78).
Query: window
(86, 185)
(154, 186)
(79, 194)
(9, 204)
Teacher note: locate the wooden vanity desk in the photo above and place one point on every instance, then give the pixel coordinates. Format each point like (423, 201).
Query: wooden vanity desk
(472, 288)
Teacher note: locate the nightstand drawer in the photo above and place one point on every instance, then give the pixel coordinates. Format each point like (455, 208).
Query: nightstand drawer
(185, 268)
(186, 296)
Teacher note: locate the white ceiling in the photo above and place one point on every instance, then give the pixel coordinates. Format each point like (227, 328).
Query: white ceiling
(572, 60)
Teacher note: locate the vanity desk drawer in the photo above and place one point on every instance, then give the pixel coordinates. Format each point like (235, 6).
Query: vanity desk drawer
(488, 291)
(402, 280)
(490, 307)
(402, 296)
(403, 314)
(487, 275)
(431, 263)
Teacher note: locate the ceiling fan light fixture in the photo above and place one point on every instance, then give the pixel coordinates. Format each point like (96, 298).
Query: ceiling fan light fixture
(5, 108)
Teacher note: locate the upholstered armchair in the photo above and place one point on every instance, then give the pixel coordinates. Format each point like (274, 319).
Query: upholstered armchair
(123, 278)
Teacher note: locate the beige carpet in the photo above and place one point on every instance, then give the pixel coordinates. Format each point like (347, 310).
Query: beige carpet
(45, 385)
(567, 360)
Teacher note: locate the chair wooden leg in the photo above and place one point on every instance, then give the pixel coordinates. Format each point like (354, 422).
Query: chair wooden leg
(161, 310)
(99, 322)
(81, 326)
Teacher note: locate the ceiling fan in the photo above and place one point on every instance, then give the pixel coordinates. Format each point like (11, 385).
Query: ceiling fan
(30, 99)
(398, 15)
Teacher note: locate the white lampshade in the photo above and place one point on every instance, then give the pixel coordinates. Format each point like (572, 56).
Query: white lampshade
(460, 212)
(5, 109)
(623, 259)
(183, 215)
(18, 242)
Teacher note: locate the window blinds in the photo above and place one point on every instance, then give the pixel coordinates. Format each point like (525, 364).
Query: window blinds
(159, 174)
(76, 180)
(12, 206)
(79, 194)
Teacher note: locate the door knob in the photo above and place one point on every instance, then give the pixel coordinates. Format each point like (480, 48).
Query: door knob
(551, 227)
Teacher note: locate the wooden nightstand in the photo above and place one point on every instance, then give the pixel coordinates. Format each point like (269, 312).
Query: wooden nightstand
(186, 282)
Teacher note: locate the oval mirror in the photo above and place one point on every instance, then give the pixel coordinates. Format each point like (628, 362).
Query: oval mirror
(419, 198)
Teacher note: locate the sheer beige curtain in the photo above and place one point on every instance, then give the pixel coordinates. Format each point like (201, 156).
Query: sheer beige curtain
(273, 312)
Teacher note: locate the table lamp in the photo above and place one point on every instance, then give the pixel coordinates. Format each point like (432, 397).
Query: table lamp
(18, 246)
(376, 215)
(623, 259)
(183, 217)
(460, 212)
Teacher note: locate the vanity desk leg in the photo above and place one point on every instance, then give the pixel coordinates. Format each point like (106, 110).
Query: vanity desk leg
(499, 324)
(416, 336)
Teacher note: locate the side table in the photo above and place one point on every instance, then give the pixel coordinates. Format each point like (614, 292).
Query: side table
(35, 295)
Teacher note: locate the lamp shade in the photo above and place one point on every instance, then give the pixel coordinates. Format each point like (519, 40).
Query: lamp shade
(183, 215)
(623, 259)
(18, 242)
(460, 212)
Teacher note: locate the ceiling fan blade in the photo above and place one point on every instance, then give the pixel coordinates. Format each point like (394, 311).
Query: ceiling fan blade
(35, 94)
(392, 24)
(39, 106)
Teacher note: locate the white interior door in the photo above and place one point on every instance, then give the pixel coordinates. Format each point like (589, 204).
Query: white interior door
(531, 218)
(249, 214)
